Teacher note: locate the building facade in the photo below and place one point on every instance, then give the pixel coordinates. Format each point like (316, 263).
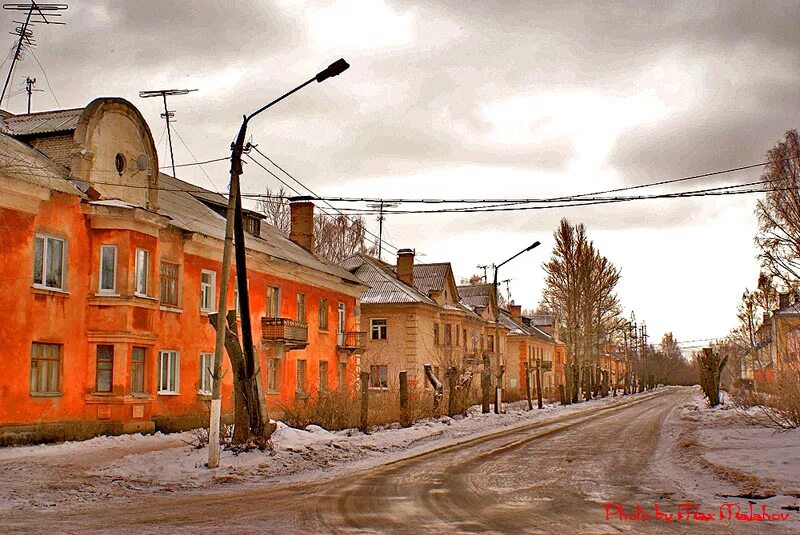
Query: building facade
(111, 269)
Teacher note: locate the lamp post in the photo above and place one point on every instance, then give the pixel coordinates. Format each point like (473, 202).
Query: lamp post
(498, 393)
(234, 226)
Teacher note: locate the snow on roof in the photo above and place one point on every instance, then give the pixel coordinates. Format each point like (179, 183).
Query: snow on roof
(24, 163)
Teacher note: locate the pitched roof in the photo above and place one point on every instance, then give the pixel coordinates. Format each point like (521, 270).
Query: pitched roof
(430, 277)
(178, 201)
(542, 320)
(45, 122)
(24, 163)
(791, 310)
(384, 286)
(475, 295)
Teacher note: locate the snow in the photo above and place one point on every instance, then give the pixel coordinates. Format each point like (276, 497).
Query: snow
(723, 453)
(115, 468)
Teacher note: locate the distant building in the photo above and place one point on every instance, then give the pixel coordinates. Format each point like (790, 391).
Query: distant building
(110, 269)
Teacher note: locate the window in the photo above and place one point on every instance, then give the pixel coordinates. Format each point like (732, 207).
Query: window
(342, 376)
(169, 284)
(490, 346)
(108, 269)
(237, 305)
(206, 367)
(273, 302)
(48, 262)
(208, 290)
(273, 374)
(448, 334)
(301, 376)
(137, 370)
(45, 368)
(252, 225)
(301, 307)
(474, 340)
(323, 314)
(105, 368)
(168, 372)
(436, 334)
(464, 338)
(323, 376)
(340, 315)
(378, 329)
(142, 267)
(379, 376)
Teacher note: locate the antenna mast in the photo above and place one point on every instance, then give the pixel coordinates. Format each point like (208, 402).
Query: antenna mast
(167, 115)
(381, 205)
(35, 15)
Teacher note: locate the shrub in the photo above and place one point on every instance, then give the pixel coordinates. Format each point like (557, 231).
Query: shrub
(778, 402)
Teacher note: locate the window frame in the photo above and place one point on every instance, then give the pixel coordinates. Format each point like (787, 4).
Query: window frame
(301, 372)
(109, 370)
(324, 314)
(138, 369)
(379, 329)
(273, 302)
(174, 375)
(324, 385)
(379, 376)
(162, 278)
(113, 290)
(448, 335)
(208, 290)
(42, 282)
(136, 276)
(273, 375)
(341, 375)
(205, 374)
(35, 373)
(301, 307)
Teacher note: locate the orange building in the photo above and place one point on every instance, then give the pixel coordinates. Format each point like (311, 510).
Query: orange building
(110, 270)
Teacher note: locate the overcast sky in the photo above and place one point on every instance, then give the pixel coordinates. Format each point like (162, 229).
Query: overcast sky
(473, 99)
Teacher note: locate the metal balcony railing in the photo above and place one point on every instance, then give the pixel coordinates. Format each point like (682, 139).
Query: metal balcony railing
(354, 341)
(284, 330)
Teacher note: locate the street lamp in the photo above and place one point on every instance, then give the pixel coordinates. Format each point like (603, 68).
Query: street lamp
(498, 393)
(234, 227)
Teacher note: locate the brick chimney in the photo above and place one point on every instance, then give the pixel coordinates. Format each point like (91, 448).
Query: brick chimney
(516, 312)
(302, 229)
(765, 318)
(405, 266)
(783, 300)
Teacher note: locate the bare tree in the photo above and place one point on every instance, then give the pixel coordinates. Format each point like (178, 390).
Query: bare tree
(778, 213)
(580, 291)
(335, 236)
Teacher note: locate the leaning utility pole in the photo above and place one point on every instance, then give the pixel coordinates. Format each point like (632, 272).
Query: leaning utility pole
(234, 225)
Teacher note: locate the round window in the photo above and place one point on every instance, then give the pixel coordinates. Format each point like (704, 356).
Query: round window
(119, 163)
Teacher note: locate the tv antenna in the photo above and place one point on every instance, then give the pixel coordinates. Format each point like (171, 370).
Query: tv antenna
(380, 206)
(508, 288)
(36, 14)
(167, 115)
(484, 268)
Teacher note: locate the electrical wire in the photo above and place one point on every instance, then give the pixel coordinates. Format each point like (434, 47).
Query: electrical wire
(46, 79)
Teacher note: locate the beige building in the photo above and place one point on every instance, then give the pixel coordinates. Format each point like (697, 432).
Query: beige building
(412, 316)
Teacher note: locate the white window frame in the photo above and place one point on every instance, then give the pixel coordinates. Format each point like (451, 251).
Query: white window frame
(383, 380)
(273, 371)
(173, 378)
(113, 289)
(208, 290)
(42, 283)
(146, 267)
(301, 307)
(206, 381)
(380, 329)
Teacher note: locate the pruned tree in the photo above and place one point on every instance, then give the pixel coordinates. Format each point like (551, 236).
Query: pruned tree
(778, 237)
(335, 236)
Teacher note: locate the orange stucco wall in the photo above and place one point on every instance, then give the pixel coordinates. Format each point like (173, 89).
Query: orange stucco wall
(79, 319)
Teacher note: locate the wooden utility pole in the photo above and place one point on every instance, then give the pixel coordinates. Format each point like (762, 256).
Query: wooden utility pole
(528, 384)
(404, 415)
(451, 390)
(486, 384)
(364, 423)
(539, 402)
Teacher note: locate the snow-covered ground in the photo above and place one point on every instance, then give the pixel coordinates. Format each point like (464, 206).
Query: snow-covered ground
(117, 468)
(724, 454)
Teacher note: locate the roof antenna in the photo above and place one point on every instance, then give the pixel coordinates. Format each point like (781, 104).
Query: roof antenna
(167, 115)
(35, 15)
(29, 83)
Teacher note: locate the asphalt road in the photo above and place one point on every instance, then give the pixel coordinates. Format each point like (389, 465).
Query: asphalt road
(554, 476)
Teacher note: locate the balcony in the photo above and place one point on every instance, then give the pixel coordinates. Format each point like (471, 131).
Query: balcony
(352, 343)
(291, 333)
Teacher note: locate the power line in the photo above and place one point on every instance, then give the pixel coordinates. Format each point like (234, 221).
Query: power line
(270, 160)
(195, 162)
